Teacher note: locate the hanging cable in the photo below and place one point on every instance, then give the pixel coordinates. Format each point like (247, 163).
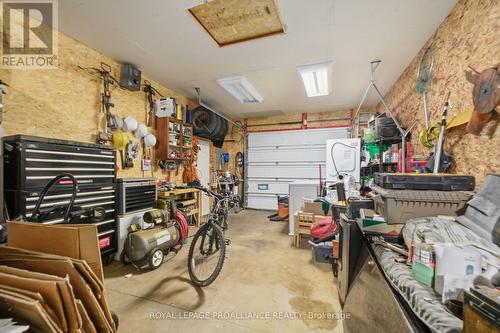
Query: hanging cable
(333, 159)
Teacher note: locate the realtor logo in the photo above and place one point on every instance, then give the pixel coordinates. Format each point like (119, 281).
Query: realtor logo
(29, 34)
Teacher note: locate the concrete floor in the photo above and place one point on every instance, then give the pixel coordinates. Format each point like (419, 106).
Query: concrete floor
(263, 277)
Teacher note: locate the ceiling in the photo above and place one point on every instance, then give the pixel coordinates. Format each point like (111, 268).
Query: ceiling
(168, 45)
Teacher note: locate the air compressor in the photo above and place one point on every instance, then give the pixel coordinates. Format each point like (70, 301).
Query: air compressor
(149, 245)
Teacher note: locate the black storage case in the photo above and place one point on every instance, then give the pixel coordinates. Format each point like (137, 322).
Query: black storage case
(386, 129)
(436, 182)
(337, 210)
(354, 207)
(31, 162)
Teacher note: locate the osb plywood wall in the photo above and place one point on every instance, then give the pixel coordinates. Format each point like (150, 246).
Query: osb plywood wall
(64, 103)
(293, 121)
(467, 37)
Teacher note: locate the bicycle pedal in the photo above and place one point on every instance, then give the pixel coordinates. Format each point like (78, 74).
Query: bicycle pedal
(227, 241)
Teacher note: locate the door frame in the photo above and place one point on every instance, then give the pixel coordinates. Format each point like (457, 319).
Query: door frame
(205, 206)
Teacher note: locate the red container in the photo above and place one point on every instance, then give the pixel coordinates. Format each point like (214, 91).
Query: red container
(411, 163)
(104, 242)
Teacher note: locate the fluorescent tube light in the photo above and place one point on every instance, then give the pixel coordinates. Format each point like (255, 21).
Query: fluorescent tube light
(316, 78)
(241, 89)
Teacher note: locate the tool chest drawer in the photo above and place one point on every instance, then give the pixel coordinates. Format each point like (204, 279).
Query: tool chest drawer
(31, 164)
(135, 194)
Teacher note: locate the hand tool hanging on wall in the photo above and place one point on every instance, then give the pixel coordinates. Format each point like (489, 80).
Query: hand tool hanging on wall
(3, 91)
(439, 162)
(150, 92)
(132, 153)
(111, 122)
(485, 96)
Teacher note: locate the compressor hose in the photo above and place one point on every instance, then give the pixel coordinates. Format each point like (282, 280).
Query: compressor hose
(183, 228)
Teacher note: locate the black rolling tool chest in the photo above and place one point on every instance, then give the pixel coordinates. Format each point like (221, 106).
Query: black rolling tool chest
(135, 194)
(31, 162)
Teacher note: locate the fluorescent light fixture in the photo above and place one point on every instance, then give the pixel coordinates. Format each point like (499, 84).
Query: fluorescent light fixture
(241, 89)
(316, 78)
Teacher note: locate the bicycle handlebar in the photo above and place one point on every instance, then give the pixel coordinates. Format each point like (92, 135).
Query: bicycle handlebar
(209, 192)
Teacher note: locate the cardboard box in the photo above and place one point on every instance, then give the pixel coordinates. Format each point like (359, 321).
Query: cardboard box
(424, 264)
(314, 207)
(373, 223)
(85, 285)
(77, 241)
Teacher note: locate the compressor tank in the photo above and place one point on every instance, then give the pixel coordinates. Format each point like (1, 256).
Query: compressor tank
(140, 243)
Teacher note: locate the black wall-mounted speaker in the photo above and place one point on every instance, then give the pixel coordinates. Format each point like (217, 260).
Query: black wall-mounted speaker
(130, 77)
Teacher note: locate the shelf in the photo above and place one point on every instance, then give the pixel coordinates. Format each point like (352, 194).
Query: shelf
(192, 212)
(175, 120)
(188, 202)
(176, 159)
(164, 146)
(178, 191)
(391, 141)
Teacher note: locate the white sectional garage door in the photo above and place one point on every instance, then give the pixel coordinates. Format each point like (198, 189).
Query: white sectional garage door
(275, 159)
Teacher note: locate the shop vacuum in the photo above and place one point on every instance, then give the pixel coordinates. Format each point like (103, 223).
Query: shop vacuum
(149, 245)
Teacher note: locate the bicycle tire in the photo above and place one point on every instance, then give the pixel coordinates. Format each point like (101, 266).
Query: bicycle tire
(222, 253)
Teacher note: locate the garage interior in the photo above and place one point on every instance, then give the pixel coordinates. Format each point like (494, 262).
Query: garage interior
(250, 166)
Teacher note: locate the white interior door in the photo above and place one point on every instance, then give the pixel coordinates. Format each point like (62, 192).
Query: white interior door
(203, 167)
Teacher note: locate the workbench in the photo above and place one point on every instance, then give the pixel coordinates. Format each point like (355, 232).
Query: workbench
(196, 201)
(367, 293)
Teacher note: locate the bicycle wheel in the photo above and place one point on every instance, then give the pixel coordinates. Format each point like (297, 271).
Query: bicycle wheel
(206, 255)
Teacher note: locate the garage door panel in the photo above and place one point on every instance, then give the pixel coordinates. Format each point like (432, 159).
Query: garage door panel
(299, 171)
(265, 186)
(313, 154)
(262, 201)
(295, 137)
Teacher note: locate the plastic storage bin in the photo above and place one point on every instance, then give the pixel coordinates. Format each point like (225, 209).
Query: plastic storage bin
(323, 252)
(398, 206)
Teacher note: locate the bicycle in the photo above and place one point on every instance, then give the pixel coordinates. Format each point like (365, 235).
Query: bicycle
(208, 246)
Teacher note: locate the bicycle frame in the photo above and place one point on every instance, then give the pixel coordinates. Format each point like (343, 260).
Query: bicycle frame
(219, 211)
